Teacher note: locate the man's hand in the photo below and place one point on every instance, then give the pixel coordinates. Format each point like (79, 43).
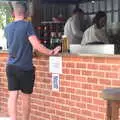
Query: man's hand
(56, 50)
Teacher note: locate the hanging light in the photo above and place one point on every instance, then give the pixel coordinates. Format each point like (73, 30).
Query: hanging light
(93, 1)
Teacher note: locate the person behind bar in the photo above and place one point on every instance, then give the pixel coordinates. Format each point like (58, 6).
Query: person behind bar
(96, 33)
(75, 26)
(21, 40)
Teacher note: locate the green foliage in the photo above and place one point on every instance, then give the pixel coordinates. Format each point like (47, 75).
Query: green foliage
(5, 15)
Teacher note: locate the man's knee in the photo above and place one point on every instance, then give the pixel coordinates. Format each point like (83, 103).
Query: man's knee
(13, 94)
(25, 97)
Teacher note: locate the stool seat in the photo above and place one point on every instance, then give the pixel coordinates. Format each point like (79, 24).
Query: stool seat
(111, 94)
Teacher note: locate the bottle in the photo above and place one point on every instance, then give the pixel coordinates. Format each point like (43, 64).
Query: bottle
(60, 40)
(52, 40)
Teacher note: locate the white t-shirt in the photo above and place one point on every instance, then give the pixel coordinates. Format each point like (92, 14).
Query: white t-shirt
(93, 34)
(73, 29)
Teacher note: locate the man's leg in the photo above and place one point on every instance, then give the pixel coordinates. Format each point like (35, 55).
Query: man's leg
(12, 105)
(26, 105)
(27, 83)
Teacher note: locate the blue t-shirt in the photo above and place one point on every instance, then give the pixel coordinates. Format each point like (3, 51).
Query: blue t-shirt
(19, 47)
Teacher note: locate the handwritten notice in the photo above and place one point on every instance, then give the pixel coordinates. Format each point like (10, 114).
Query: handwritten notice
(55, 64)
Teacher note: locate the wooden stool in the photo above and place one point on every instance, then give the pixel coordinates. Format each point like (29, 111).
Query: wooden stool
(112, 95)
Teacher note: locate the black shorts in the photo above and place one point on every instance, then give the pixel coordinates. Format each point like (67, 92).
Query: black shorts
(19, 79)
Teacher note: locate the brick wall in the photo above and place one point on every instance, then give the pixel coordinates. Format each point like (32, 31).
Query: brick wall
(81, 83)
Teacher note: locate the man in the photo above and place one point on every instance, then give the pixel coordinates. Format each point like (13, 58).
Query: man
(20, 72)
(96, 33)
(75, 26)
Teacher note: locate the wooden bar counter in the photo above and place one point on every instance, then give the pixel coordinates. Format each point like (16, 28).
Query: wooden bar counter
(83, 78)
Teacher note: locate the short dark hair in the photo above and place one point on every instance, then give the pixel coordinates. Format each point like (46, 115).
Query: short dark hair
(21, 4)
(98, 16)
(78, 10)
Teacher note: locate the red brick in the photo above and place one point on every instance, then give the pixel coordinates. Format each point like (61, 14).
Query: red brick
(70, 115)
(99, 60)
(55, 117)
(86, 99)
(75, 71)
(80, 79)
(105, 81)
(65, 108)
(92, 93)
(105, 67)
(86, 72)
(93, 66)
(70, 103)
(81, 92)
(66, 71)
(87, 59)
(86, 112)
(81, 105)
(92, 107)
(75, 97)
(50, 111)
(116, 82)
(92, 80)
(111, 75)
(75, 84)
(70, 65)
(81, 65)
(56, 106)
(55, 94)
(65, 83)
(98, 102)
(60, 113)
(60, 101)
(75, 110)
(113, 60)
(98, 87)
(65, 95)
(99, 115)
(115, 67)
(98, 74)
(69, 77)
(86, 86)
(70, 90)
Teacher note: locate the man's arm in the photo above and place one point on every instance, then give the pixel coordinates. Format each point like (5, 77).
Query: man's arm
(38, 46)
(41, 48)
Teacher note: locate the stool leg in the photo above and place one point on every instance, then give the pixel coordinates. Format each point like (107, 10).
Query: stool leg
(115, 110)
(109, 110)
(112, 110)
